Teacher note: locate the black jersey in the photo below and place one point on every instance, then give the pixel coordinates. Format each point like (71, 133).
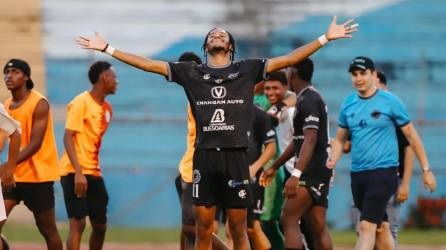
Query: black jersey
(311, 112)
(262, 133)
(221, 100)
(402, 144)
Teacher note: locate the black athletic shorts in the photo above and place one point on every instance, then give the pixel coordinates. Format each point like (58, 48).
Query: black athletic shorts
(38, 197)
(258, 195)
(94, 204)
(317, 188)
(221, 176)
(371, 190)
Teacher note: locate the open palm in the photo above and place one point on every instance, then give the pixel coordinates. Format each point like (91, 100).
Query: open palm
(344, 30)
(95, 43)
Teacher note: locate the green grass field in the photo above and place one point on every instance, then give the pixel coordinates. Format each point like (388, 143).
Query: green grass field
(28, 233)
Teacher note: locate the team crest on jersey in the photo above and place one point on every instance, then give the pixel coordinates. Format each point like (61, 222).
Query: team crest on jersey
(196, 176)
(362, 123)
(218, 92)
(107, 116)
(207, 76)
(242, 194)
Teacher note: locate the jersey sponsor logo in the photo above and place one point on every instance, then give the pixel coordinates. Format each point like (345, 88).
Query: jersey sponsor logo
(220, 102)
(271, 133)
(242, 194)
(218, 127)
(233, 183)
(312, 118)
(207, 77)
(233, 75)
(218, 116)
(218, 122)
(218, 92)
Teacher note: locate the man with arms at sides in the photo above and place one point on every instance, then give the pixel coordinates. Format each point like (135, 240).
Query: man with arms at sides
(187, 236)
(36, 168)
(306, 190)
(9, 128)
(405, 169)
(88, 117)
(221, 96)
(370, 117)
(261, 150)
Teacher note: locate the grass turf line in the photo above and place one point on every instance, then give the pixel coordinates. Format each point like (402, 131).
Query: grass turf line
(29, 233)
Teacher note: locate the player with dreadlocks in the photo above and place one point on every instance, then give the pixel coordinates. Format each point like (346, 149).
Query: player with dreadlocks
(221, 93)
(231, 43)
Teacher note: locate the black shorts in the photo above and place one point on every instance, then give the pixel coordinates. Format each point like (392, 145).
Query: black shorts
(38, 197)
(94, 204)
(371, 190)
(318, 190)
(221, 177)
(258, 196)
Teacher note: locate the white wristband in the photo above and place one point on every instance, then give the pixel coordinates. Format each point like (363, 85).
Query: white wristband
(323, 39)
(426, 169)
(296, 173)
(110, 50)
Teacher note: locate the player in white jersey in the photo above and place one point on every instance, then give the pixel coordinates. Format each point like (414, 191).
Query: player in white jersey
(9, 128)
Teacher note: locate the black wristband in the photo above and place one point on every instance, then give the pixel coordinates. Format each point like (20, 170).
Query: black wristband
(106, 46)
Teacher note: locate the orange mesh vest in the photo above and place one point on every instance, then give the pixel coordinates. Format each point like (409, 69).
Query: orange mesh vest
(41, 166)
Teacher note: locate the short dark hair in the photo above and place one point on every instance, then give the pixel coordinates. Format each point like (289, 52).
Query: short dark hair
(382, 78)
(96, 69)
(189, 57)
(278, 76)
(231, 42)
(304, 69)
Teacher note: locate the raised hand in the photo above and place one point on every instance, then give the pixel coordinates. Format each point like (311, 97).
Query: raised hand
(95, 43)
(344, 30)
